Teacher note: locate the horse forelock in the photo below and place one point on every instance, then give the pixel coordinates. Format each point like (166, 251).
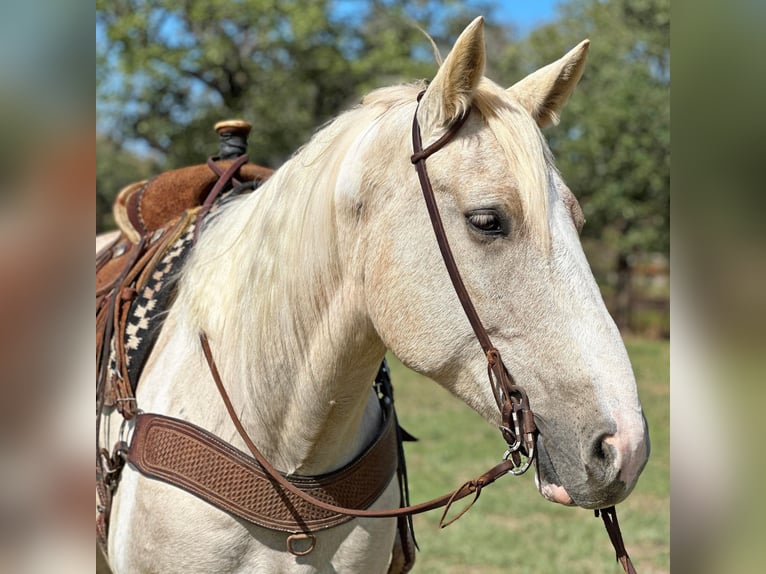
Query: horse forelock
(525, 152)
(523, 146)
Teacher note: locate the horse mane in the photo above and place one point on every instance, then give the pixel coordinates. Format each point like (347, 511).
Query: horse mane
(262, 250)
(246, 282)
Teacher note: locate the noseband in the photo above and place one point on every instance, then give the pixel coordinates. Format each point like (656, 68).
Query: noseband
(518, 425)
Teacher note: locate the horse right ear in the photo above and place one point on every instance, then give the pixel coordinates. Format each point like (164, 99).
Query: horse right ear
(544, 92)
(450, 93)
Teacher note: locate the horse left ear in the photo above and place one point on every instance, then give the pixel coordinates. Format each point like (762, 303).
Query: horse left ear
(544, 92)
(450, 93)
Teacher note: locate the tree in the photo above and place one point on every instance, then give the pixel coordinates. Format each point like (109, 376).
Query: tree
(169, 70)
(613, 143)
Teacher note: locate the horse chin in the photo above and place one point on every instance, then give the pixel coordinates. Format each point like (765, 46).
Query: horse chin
(547, 481)
(554, 492)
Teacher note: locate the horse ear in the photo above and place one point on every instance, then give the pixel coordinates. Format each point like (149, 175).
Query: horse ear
(450, 93)
(544, 92)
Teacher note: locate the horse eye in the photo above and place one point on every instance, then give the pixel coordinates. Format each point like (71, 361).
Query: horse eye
(487, 222)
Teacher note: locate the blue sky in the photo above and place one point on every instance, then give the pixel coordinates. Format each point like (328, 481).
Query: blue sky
(525, 15)
(522, 15)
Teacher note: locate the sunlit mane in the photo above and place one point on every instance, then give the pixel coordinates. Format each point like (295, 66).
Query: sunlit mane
(254, 261)
(268, 265)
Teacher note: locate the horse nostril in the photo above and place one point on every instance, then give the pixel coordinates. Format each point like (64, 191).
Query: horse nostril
(601, 450)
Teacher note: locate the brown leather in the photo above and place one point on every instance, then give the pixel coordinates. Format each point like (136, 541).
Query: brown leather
(609, 516)
(199, 462)
(473, 486)
(151, 216)
(512, 400)
(114, 298)
(518, 427)
(184, 455)
(142, 208)
(122, 270)
(517, 416)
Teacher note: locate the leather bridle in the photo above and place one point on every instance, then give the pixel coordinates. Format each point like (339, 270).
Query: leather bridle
(518, 425)
(517, 420)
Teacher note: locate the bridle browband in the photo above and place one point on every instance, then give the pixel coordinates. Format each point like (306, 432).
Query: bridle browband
(517, 420)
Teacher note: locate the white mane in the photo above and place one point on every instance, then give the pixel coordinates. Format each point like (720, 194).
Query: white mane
(253, 263)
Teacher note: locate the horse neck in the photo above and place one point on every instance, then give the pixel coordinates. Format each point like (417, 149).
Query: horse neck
(287, 324)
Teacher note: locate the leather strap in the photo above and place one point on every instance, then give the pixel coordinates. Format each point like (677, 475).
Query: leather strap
(224, 178)
(121, 268)
(518, 427)
(187, 456)
(609, 516)
(471, 487)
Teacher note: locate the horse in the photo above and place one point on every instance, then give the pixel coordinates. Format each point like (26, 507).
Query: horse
(302, 286)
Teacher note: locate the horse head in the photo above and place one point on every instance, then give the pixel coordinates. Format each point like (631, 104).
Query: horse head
(514, 229)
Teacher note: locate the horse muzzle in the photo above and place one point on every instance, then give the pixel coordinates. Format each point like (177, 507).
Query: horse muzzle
(598, 473)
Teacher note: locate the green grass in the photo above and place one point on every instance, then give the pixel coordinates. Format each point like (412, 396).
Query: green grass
(512, 527)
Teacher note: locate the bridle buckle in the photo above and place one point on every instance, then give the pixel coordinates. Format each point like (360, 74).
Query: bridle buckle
(519, 431)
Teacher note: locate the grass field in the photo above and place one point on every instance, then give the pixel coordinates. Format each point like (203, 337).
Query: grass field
(511, 527)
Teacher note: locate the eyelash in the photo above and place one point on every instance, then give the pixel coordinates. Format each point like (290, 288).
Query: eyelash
(486, 222)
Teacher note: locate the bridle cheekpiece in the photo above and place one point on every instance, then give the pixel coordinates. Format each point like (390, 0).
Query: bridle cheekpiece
(517, 420)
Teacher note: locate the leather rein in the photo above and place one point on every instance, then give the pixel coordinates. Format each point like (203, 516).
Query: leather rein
(517, 421)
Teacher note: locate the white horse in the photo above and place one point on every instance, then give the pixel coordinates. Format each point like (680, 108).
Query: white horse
(304, 284)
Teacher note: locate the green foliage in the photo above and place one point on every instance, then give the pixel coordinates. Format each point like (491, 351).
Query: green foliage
(116, 168)
(613, 143)
(170, 70)
(167, 70)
